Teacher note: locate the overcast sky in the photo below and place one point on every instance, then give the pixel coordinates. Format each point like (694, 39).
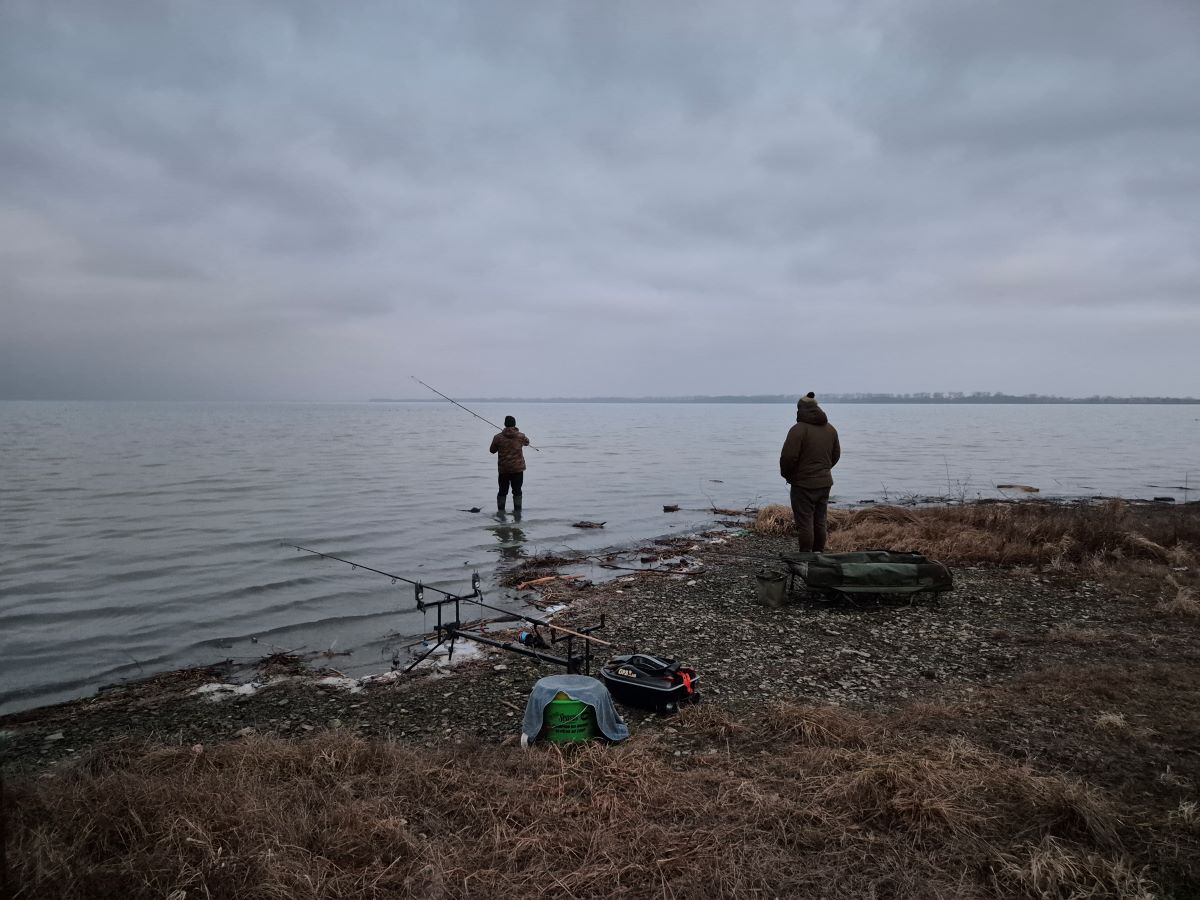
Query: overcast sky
(319, 200)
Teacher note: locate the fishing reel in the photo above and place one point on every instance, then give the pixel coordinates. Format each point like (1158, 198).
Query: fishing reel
(532, 639)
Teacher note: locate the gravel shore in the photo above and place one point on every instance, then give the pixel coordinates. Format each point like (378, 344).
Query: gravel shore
(994, 626)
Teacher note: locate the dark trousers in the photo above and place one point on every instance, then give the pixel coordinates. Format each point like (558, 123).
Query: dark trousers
(515, 480)
(810, 509)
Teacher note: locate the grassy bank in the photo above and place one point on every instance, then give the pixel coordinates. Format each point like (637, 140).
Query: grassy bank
(1027, 533)
(1113, 540)
(1033, 734)
(806, 802)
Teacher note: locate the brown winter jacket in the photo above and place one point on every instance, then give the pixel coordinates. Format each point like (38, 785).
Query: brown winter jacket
(810, 450)
(508, 444)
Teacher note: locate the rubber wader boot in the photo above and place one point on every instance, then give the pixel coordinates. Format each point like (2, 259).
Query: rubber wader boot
(500, 502)
(516, 502)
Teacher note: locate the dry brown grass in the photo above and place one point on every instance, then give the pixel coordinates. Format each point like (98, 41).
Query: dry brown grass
(1095, 537)
(1187, 814)
(1112, 721)
(1051, 870)
(774, 519)
(808, 801)
(1183, 603)
(1075, 634)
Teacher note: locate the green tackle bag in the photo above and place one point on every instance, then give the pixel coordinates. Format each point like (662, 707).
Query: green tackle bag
(869, 572)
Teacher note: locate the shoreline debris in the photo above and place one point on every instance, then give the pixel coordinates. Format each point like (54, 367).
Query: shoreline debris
(545, 580)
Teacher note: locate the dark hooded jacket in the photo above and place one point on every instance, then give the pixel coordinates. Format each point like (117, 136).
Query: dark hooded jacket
(508, 444)
(810, 450)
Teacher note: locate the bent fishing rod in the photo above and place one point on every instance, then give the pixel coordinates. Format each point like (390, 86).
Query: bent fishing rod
(464, 409)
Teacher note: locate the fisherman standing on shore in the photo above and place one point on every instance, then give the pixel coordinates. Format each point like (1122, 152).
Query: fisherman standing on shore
(810, 452)
(510, 460)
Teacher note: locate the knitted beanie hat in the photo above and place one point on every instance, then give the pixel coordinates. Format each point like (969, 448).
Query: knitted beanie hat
(808, 401)
(510, 422)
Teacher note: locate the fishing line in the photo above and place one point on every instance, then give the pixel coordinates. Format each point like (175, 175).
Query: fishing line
(463, 408)
(420, 659)
(355, 565)
(476, 595)
(740, 555)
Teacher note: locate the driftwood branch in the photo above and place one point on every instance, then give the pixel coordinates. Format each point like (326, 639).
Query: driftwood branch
(586, 637)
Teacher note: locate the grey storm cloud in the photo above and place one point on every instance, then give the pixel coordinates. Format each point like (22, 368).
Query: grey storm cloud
(314, 201)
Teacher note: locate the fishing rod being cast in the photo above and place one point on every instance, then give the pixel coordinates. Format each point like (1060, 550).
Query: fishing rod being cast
(463, 408)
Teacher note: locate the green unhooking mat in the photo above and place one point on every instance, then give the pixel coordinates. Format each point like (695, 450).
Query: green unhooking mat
(868, 572)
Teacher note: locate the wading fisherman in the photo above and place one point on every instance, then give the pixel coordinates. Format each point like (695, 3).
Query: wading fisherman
(810, 452)
(510, 459)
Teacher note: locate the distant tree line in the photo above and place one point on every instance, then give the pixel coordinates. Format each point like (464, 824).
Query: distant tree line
(995, 397)
(918, 397)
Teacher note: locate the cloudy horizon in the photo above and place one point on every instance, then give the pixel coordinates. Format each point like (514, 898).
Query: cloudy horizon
(305, 201)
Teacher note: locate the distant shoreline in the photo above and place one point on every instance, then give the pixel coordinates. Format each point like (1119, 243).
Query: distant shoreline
(967, 400)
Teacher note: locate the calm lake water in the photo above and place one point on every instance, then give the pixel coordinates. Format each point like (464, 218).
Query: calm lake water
(138, 537)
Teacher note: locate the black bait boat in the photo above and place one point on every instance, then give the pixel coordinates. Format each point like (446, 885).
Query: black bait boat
(650, 682)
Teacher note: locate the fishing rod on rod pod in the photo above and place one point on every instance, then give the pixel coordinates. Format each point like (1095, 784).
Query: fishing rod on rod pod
(464, 409)
(454, 630)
